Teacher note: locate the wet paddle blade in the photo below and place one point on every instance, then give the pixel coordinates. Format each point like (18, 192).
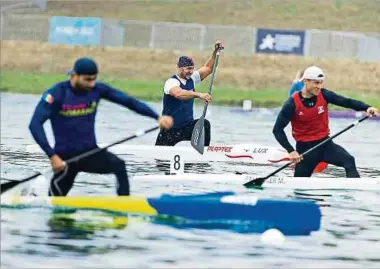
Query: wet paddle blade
(9, 185)
(198, 136)
(320, 167)
(257, 182)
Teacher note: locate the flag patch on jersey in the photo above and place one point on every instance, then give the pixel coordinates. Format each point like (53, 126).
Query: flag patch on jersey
(48, 98)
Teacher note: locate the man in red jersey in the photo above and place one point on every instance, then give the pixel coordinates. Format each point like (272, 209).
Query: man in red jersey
(307, 111)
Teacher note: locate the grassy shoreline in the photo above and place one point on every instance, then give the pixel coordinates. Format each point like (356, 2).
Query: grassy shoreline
(36, 83)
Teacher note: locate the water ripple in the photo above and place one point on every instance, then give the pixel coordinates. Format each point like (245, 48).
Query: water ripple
(349, 237)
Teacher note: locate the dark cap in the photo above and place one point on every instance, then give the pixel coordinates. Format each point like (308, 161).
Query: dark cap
(84, 66)
(185, 61)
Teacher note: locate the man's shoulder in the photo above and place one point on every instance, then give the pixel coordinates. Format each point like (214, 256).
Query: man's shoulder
(292, 97)
(196, 77)
(56, 90)
(289, 103)
(59, 86)
(170, 83)
(101, 86)
(326, 92)
(173, 78)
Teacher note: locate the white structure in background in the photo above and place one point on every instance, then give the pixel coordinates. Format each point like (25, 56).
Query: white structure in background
(247, 105)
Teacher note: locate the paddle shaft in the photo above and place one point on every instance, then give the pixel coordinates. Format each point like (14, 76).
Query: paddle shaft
(261, 180)
(96, 150)
(83, 155)
(212, 81)
(197, 137)
(13, 183)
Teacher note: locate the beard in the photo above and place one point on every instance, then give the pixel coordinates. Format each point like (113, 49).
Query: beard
(82, 87)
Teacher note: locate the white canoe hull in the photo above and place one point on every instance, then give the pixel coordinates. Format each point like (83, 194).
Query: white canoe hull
(246, 153)
(312, 183)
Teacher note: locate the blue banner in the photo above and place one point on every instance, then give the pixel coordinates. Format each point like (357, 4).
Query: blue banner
(280, 41)
(75, 31)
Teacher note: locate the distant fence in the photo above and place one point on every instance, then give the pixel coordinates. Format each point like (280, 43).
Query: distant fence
(241, 40)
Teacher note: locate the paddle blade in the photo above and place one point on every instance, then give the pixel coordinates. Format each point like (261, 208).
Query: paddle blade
(13, 183)
(257, 182)
(198, 136)
(8, 185)
(320, 167)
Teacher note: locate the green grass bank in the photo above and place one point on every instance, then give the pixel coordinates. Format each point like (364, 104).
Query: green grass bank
(36, 83)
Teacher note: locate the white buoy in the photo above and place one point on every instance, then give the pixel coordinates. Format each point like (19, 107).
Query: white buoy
(272, 237)
(247, 105)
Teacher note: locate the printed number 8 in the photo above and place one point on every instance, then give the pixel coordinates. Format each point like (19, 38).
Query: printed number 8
(177, 164)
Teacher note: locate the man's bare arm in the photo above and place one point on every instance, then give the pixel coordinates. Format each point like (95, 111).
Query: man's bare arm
(180, 94)
(206, 69)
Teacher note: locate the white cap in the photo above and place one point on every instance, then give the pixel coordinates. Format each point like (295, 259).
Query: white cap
(313, 72)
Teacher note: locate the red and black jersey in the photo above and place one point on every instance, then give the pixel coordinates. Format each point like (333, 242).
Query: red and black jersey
(310, 123)
(288, 113)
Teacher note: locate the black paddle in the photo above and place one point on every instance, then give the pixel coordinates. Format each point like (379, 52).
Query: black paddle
(259, 181)
(198, 135)
(12, 183)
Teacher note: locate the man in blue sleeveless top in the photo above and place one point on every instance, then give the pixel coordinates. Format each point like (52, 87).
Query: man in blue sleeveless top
(71, 106)
(297, 84)
(178, 100)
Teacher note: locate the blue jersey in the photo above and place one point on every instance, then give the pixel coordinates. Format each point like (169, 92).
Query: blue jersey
(180, 110)
(72, 115)
(296, 87)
